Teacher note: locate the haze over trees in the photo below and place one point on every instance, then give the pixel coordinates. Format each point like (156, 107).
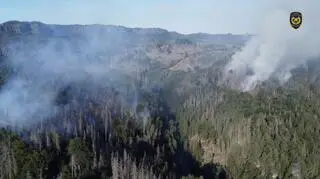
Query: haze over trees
(115, 102)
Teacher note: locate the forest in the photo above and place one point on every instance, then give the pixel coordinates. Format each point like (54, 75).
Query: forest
(159, 123)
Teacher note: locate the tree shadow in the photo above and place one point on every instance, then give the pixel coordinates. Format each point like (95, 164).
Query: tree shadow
(165, 154)
(180, 162)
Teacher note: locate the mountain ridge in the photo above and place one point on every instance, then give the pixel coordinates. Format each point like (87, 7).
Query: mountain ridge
(119, 26)
(119, 102)
(36, 27)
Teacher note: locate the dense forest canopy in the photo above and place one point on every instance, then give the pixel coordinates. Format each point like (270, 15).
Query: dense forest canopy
(115, 102)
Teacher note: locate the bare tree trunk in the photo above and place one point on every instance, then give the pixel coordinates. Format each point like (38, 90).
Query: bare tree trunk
(115, 165)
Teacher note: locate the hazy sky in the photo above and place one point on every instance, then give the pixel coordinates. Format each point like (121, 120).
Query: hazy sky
(185, 16)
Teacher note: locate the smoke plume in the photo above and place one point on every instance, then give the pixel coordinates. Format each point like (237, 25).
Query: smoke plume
(278, 48)
(42, 67)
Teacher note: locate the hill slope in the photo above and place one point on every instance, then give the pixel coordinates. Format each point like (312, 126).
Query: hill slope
(101, 101)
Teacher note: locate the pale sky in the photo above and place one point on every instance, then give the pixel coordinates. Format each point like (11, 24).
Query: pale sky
(184, 16)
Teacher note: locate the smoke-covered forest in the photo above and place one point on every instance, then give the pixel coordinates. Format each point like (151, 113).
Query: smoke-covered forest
(115, 102)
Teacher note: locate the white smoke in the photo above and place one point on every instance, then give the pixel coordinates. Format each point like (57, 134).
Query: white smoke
(278, 48)
(42, 69)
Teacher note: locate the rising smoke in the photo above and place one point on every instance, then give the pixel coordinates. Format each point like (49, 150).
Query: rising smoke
(278, 48)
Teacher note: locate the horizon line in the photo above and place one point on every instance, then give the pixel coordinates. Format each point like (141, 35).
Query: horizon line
(123, 26)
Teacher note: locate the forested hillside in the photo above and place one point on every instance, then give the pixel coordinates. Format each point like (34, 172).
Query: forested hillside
(147, 103)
